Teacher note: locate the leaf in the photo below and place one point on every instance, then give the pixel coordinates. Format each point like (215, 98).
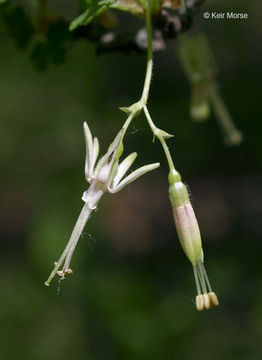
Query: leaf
(91, 12)
(58, 33)
(39, 56)
(57, 37)
(19, 26)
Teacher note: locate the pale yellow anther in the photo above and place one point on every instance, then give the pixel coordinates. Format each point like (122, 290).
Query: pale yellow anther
(61, 274)
(68, 271)
(207, 301)
(200, 302)
(213, 299)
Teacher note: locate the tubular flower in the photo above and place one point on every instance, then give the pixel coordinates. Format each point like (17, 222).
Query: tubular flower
(190, 240)
(105, 176)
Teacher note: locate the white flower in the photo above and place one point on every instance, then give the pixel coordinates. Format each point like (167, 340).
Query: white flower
(107, 174)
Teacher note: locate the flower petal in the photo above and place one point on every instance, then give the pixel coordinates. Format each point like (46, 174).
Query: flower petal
(94, 154)
(111, 152)
(133, 176)
(89, 151)
(123, 168)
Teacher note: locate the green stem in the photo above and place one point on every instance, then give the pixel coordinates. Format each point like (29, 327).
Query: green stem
(167, 152)
(157, 133)
(128, 122)
(149, 67)
(141, 104)
(138, 106)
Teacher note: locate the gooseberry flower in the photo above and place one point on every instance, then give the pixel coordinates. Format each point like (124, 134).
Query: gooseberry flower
(106, 175)
(190, 239)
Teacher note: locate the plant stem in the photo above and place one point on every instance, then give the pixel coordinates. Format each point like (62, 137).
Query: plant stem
(157, 132)
(133, 110)
(149, 67)
(138, 106)
(232, 136)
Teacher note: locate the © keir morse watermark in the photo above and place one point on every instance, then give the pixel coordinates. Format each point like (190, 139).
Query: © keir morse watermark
(229, 15)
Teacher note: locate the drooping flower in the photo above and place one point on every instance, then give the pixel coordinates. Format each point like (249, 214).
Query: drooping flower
(190, 239)
(106, 175)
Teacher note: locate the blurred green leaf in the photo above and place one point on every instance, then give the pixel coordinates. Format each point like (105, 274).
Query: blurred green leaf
(19, 26)
(39, 56)
(91, 12)
(54, 48)
(57, 35)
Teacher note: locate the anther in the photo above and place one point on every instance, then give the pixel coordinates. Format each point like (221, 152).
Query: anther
(206, 301)
(68, 271)
(213, 298)
(200, 302)
(61, 274)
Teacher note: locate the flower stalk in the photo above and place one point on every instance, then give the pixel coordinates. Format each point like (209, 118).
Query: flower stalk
(69, 249)
(231, 134)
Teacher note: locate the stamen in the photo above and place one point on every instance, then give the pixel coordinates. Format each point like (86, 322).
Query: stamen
(62, 273)
(213, 298)
(200, 302)
(206, 277)
(201, 277)
(206, 301)
(196, 280)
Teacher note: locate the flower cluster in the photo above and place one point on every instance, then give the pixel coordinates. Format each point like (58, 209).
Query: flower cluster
(108, 174)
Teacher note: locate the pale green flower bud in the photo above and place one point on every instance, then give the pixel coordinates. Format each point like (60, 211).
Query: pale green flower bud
(199, 110)
(185, 219)
(188, 232)
(190, 239)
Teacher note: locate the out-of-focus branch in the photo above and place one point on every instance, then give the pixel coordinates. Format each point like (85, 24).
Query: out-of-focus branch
(167, 25)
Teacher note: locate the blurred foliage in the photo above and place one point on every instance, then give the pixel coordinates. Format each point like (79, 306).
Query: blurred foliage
(54, 48)
(19, 26)
(93, 8)
(47, 35)
(131, 295)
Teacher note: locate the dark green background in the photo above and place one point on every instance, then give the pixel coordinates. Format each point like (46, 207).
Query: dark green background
(132, 292)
